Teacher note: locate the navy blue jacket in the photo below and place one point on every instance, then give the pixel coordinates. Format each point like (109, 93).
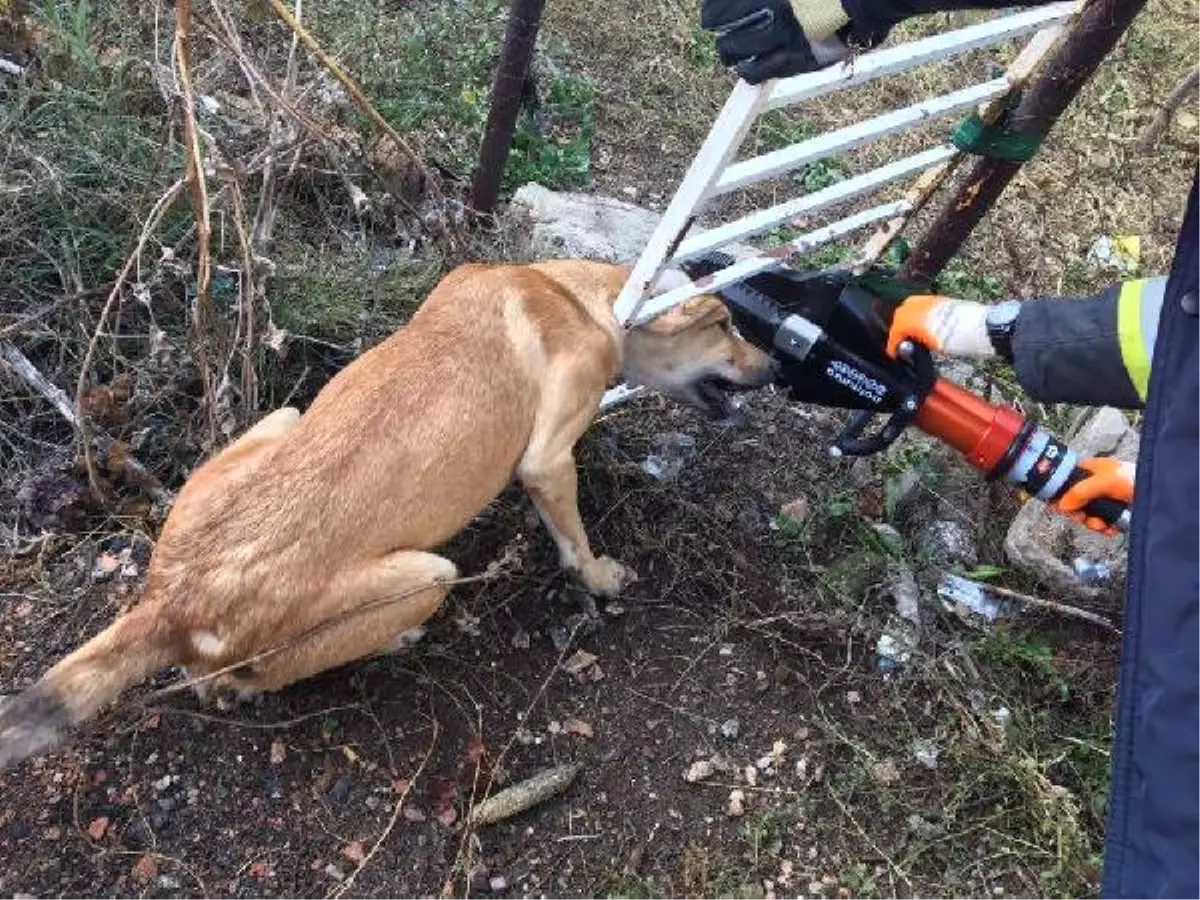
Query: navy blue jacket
(1153, 823)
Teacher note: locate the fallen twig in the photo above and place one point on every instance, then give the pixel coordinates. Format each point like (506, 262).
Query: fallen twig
(341, 889)
(1053, 606)
(79, 418)
(1183, 90)
(21, 366)
(524, 795)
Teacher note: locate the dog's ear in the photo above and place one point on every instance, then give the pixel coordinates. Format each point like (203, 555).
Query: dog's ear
(695, 313)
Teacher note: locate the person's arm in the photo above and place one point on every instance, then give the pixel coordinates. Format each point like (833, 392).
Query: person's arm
(1089, 351)
(1093, 352)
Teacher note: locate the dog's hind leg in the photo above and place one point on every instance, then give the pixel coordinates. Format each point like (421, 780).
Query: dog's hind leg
(366, 611)
(547, 470)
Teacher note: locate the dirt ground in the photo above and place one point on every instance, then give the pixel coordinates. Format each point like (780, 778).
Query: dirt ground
(744, 657)
(737, 643)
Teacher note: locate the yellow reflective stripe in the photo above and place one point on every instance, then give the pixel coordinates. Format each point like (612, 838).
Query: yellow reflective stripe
(1129, 333)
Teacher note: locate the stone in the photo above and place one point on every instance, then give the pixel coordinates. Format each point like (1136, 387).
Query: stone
(587, 226)
(1044, 544)
(737, 803)
(950, 543)
(796, 510)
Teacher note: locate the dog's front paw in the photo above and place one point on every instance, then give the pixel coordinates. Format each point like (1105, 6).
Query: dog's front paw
(606, 577)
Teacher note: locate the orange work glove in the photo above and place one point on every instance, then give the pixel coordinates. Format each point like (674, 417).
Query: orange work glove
(1110, 478)
(943, 324)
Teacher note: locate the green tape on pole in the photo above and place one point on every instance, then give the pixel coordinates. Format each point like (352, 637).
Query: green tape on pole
(993, 141)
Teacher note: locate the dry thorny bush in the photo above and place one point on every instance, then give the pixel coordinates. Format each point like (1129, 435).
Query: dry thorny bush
(147, 152)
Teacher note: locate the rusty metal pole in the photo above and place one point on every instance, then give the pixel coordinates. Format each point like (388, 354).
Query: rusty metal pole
(520, 37)
(1092, 38)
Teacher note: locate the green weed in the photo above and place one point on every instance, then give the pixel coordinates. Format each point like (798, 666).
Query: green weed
(339, 298)
(957, 281)
(1029, 653)
(430, 73)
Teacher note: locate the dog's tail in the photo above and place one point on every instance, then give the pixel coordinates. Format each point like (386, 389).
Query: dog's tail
(134, 647)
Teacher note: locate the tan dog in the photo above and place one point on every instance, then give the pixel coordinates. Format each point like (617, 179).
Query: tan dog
(281, 536)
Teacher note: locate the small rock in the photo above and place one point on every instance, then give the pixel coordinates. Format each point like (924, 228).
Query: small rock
(730, 729)
(578, 662)
(106, 565)
(334, 872)
(354, 852)
(761, 682)
(414, 814)
(1002, 716)
(164, 783)
(614, 610)
(341, 790)
(853, 697)
(520, 639)
(260, 870)
(145, 869)
(497, 884)
(737, 803)
(926, 752)
(447, 815)
(699, 770)
(578, 728)
(885, 772)
(801, 733)
(950, 543)
(278, 752)
(97, 828)
(796, 510)
(169, 883)
(750, 773)
(559, 637)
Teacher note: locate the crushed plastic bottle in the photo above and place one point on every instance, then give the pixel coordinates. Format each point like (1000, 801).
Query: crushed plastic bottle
(674, 450)
(970, 599)
(1091, 571)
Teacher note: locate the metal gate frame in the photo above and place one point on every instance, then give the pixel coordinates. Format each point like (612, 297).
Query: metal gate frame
(714, 171)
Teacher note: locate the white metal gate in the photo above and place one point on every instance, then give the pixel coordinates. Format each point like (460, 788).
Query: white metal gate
(714, 171)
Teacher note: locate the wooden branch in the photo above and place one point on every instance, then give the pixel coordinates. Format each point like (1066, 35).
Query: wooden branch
(1064, 609)
(198, 189)
(1182, 91)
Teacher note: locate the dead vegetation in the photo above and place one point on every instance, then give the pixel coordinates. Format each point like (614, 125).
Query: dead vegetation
(202, 218)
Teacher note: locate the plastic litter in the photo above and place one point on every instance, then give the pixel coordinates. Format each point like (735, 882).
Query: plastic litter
(674, 449)
(1091, 571)
(971, 600)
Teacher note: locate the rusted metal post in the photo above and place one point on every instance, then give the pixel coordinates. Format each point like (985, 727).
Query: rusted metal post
(1095, 34)
(520, 37)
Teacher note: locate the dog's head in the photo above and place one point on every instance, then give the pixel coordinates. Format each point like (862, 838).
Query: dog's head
(693, 354)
